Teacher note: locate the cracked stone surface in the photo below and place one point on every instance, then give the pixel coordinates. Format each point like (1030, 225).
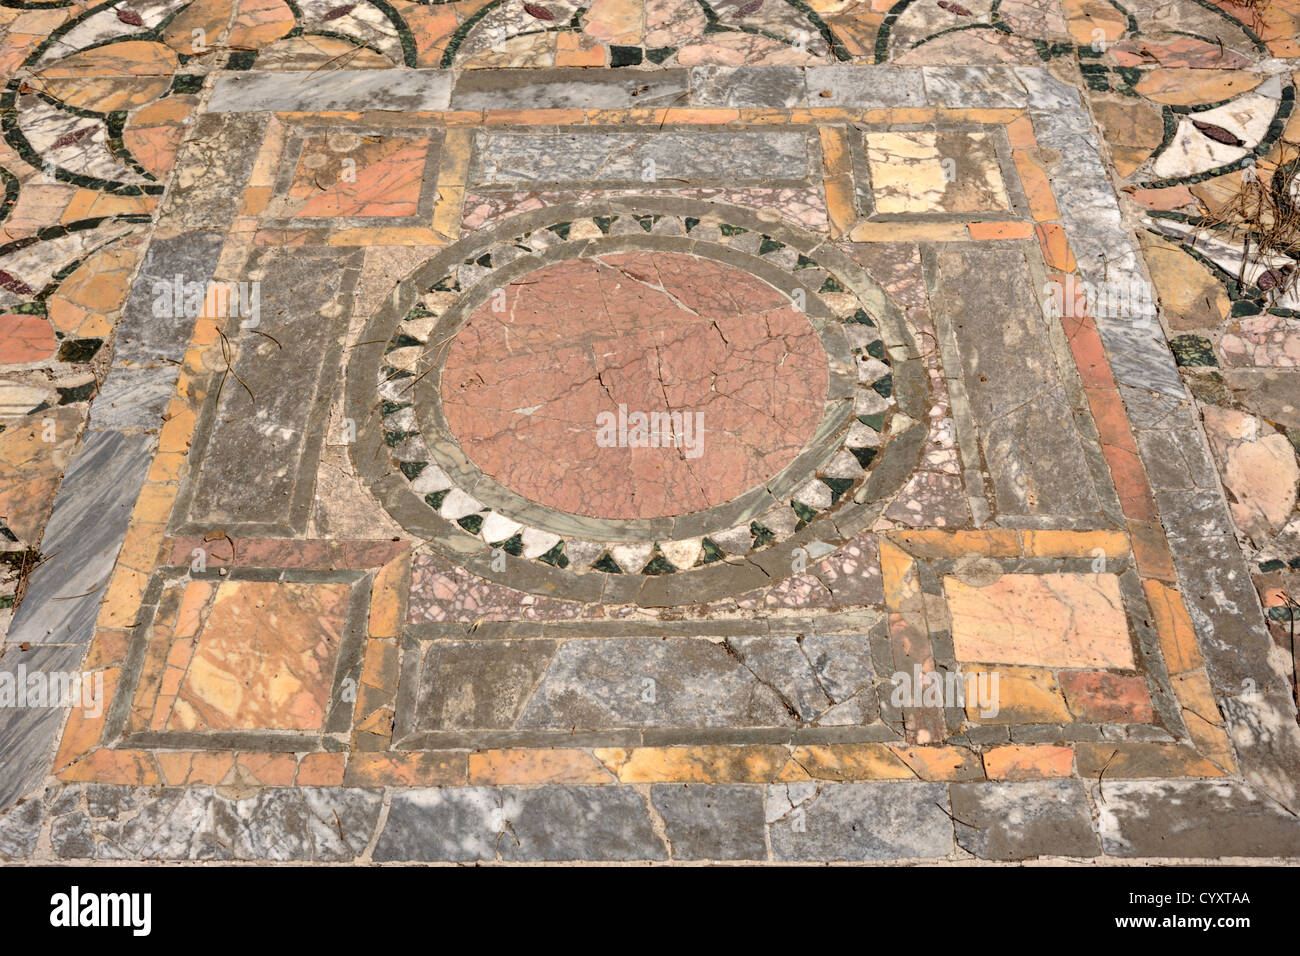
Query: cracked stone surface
(649, 431)
(736, 370)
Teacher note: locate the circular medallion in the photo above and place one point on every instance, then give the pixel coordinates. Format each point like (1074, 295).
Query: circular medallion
(634, 384)
(663, 390)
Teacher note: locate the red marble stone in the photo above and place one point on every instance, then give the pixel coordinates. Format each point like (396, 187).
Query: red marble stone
(25, 338)
(1102, 697)
(358, 176)
(1178, 51)
(656, 333)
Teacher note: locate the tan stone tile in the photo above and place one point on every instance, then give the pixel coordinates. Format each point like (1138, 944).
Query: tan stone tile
(136, 768)
(1052, 620)
(536, 766)
(1190, 295)
(195, 769)
(1174, 627)
(1028, 762)
(986, 231)
(899, 572)
(701, 764)
(1212, 742)
(1187, 86)
(1112, 761)
(264, 658)
(122, 602)
(1023, 695)
(1196, 695)
(616, 22)
(1151, 550)
(267, 769)
(387, 606)
(83, 731)
(927, 543)
(942, 763)
(428, 769)
(575, 49)
(1055, 246)
(1075, 544)
(909, 232)
(865, 761)
(321, 770)
(927, 171)
(1037, 186)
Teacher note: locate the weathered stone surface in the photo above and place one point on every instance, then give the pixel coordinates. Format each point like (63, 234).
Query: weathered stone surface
(266, 435)
(561, 89)
(690, 682)
(887, 87)
(1031, 444)
(1270, 393)
(331, 90)
(747, 86)
(134, 399)
(207, 185)
(479, 683)
(1171, 446)
(153, 333)
(980, 87)
(27, 734)
(83, 538)
(1224, 607)
(1173, 818)
(705, 822)
(642, 157)
(1019, 821)
(876, 821)
(548, 823)
(581, 823)
(153, 328)
(284, 824)
(20, 828)
(1139, 354)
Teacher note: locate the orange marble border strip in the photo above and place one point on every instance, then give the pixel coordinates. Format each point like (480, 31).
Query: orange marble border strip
(909, 638)
(1205, 724)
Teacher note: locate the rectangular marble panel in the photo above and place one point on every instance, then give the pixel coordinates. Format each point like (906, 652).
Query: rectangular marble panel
(257, 444)
(666, 157)
(1030, 443)
(408, 90)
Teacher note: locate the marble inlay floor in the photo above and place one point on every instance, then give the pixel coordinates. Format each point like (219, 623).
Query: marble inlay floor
(649, 431)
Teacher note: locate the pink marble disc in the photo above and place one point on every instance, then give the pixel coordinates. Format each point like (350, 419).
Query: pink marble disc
(527, 379)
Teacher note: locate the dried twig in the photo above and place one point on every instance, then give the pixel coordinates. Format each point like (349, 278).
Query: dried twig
(1263, 216)
(230, 369)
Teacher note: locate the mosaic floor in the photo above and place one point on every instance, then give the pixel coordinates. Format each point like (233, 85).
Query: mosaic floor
(650, 430)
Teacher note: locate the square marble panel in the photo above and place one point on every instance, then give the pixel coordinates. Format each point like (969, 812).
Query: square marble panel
(929, 171)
